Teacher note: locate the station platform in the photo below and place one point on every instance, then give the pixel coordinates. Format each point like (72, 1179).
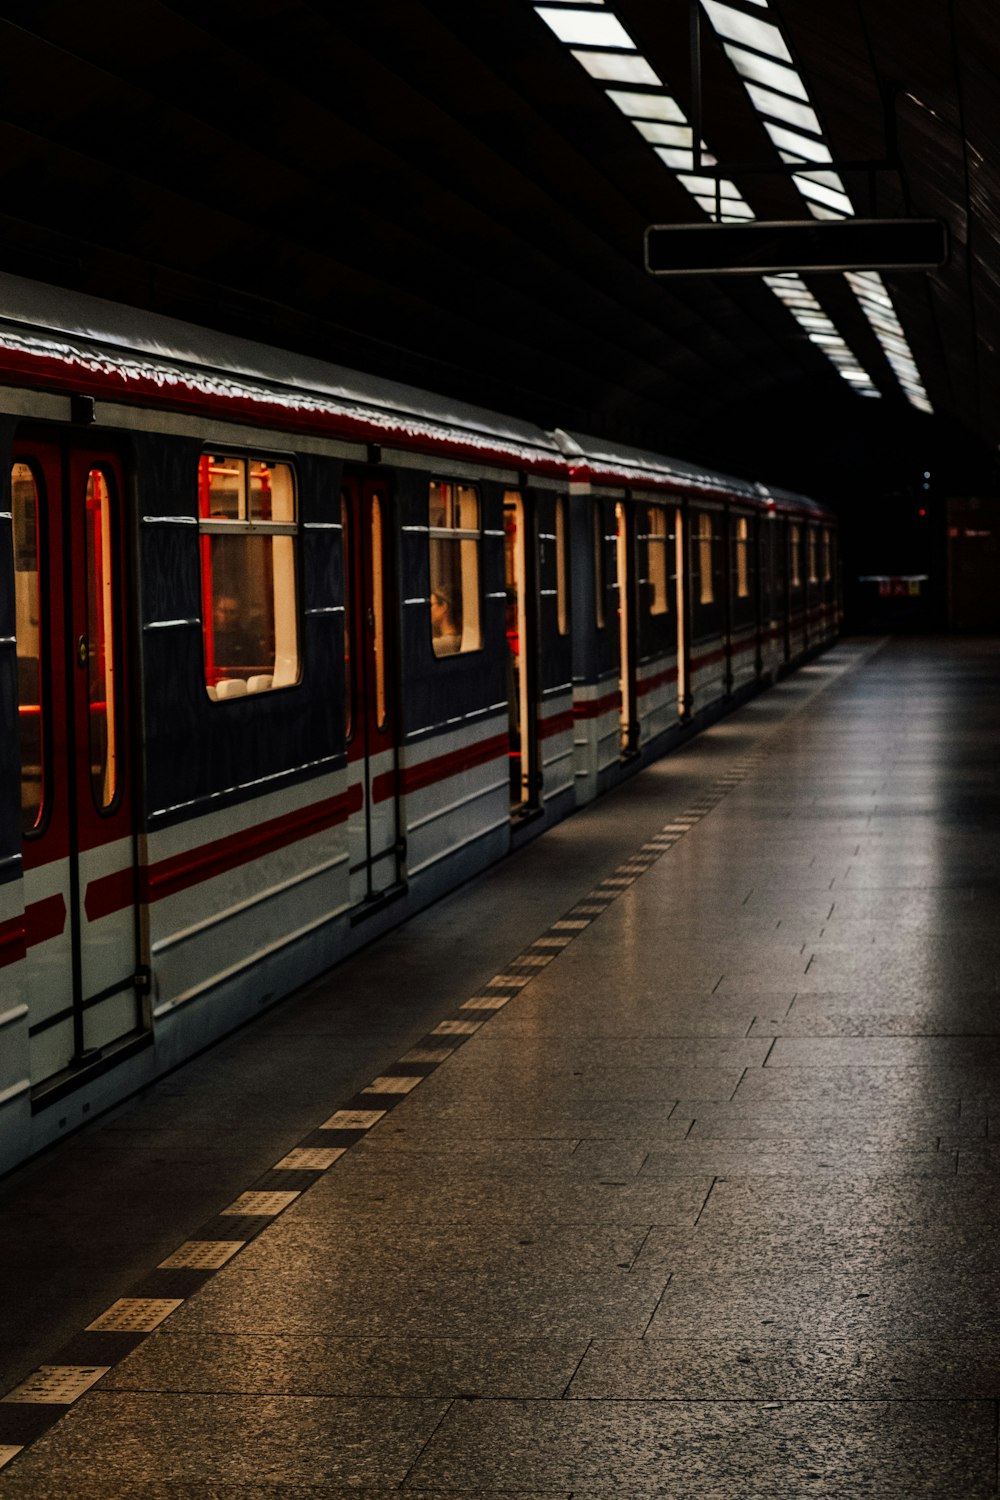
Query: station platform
(657, 1161)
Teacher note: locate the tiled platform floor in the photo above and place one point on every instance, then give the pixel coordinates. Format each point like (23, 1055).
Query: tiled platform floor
(708, 1209)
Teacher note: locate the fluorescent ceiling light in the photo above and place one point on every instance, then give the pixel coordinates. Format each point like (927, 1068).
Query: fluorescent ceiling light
(588, 28)
(821, 194)
(800, 145)
(663, 124)
(646, 106)
(661, 134)
(747, 30)
(828, 179)
(780, 107)
(617, 67)
(774, 75)
(674, 156)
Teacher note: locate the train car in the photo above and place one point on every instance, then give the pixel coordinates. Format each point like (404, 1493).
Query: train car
(287, 652)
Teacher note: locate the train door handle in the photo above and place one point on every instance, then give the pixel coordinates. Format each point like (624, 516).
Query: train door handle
(81, 651)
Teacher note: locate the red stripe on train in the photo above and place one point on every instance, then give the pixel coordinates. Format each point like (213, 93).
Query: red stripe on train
(12, 944)
(112, 893)
(41, 921)
(647, 684)
(557, 724)
(439, 768)
(592, 708)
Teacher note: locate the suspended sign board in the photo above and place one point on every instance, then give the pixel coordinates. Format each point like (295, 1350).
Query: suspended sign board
(761, 246)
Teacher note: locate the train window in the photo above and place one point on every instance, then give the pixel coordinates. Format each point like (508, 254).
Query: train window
(656, 542)
(25, 503)
(101, 665)
(742, 558)
(562, 579)
(346, 542)
(247, 517)
(600, 570)
(813, 560)
(454, 567)
(795, 559)
(827, 570)
(706, 583)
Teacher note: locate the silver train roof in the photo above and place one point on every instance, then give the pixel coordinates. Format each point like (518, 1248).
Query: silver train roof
(131, 354)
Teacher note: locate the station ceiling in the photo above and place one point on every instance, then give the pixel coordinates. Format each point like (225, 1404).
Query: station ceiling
(443, 192)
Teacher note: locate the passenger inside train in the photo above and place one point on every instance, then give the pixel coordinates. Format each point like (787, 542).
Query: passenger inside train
(447, 635)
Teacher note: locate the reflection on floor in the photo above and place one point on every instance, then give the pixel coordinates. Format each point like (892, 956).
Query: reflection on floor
(655, 1163)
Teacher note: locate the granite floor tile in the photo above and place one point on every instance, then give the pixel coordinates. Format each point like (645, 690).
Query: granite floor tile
(870, 1301)
(795, 1369)
(802, 1243)
(714, 1450)
(788, 1158)
(655, 1015)
(521, 1102)
(455, 1249)
(856, 1016)
(592, 1060)
(505, 1200)
(385, 1302)
(894, 1086)
(327, 1365)
(932, 1052)
(583, 1119)
(135, 1438)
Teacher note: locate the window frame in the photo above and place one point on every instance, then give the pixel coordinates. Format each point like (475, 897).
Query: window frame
(461, 535)
(705, 539)
(561, 533)
(794, 555)
(812, 554)
(656, 546)
(42, 563)
(600, 565)
(741, 543)
(209, 526)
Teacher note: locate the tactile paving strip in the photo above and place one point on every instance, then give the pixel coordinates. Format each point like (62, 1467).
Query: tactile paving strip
(201, 1255)
(353, 1119)
(304, 1159)
(135, 1315)
(260, 1203)
(56, 1385)
(61, 1385)
(392, 1083)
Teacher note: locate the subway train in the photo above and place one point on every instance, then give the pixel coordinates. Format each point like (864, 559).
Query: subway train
(287, 652)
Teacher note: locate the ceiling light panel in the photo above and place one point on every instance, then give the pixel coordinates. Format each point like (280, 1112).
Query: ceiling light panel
(763, 70)
(780, 107)
(800, 145)
(662, 123)
(587, 28)
(747, 31)
(647, 106)
(617, 67)
(778, 94)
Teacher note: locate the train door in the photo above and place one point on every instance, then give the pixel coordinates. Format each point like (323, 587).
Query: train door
(683, 656)
(370, 688)
(521, 655)
(82, 974)
(626, 665)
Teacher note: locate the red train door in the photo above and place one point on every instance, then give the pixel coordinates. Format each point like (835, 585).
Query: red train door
(522, 647)
(77, 805)
(373, 833)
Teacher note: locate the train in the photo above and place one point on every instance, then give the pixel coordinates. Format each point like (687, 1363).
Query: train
(287, 652)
